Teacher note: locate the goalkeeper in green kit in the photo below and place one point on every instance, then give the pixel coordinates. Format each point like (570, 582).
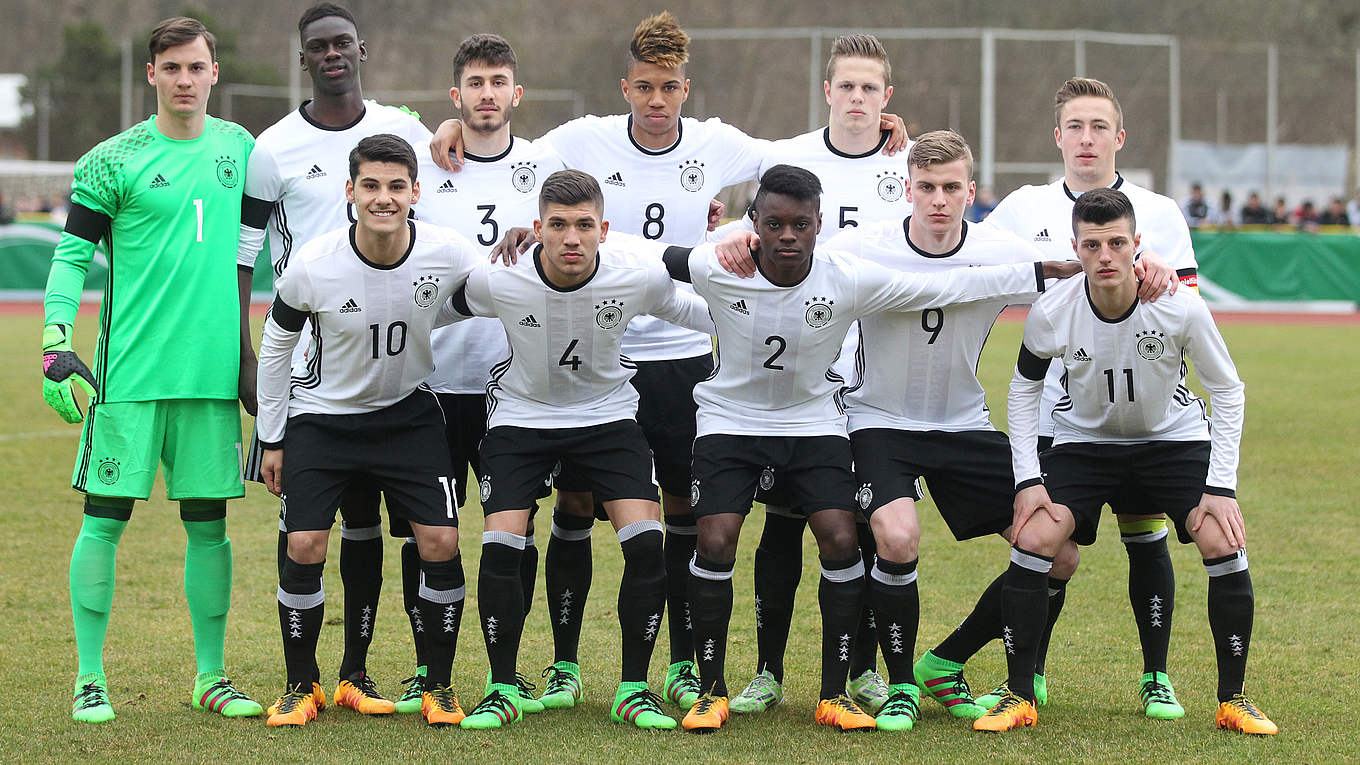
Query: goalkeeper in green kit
(165, 196)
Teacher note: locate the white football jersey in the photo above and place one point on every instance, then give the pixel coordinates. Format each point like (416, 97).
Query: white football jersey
(300, 167)
(1124, 378)
(917, 370)
(564, 369)
(481, 201)
(370, 324)
(1043, 215)
(776, 344)
(856, 188)
(660, 195)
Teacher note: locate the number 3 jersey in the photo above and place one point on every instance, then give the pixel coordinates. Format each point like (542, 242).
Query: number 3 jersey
(482, 201)
(564, 369)
(917, 370)
(370, 324)
(1124, 378)
(776, 344)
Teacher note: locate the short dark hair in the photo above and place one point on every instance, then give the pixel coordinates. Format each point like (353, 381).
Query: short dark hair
(180, 30)
(1102, 206)
(383, 147)
(570, 188)
(788, 181)
(489, 49)
(325, 10)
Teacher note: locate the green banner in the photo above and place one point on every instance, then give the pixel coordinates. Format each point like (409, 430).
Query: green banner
(26, 257)
(1255, 268)
(1251, 270)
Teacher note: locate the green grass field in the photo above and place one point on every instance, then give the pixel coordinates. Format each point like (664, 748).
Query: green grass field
(1298, 487)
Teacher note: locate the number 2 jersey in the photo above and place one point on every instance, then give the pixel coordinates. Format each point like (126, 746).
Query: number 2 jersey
(776, 344)
(1123, 378)
(659, 194)
(370, 324)
(917, 370)
(169, 212)
(564, 369)
(481, 201)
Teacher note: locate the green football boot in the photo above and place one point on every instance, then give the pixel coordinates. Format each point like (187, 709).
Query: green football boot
(902, 709)
(635, 703)
(563, 687)
(413, 696)
(215, 693)
(943, 680)
(762, 694)
(682, 684)
(1159, 698)
(497, 709)
(90, 703)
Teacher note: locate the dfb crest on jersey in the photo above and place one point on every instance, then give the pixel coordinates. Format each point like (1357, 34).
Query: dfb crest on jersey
(486, 487)
(227, 174)
(818, 311)
(522, 176)
(692, 175)
(1150, 345)
(694, 493)
(865, 496)
(608, 313)
(766, 478)
(427, 291)
(108, 471)
(890, 186)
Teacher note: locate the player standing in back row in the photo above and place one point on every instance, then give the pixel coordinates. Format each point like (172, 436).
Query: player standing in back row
(295, 191)
(1089, 132)
(165, 196)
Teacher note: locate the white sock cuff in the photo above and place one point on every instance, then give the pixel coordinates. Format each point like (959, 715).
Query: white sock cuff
(892, 580)
(442, 597)
(361, 534)
(703, 573)
(1032, 562)
(571, 535)
(1237, 563)
(507, 538)
(848, 574)
(303, 601)
(638, 527)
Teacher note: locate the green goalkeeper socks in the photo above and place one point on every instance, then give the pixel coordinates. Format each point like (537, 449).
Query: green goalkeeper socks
(207, 587)
(91, 576)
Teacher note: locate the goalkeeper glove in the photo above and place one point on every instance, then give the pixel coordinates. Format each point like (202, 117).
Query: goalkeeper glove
(61, 368)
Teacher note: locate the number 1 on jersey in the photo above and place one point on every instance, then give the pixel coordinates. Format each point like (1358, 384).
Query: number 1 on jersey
(198, 211)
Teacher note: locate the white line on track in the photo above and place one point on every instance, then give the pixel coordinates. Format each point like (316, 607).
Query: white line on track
(37, 434)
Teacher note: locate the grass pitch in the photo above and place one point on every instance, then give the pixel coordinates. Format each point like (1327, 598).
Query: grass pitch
(1298, 488)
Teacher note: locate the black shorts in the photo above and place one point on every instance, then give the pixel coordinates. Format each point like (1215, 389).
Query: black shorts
(1142, 479)
(728, 469)
(399, 449)
(612, 457)
(666, 411)
(969, 474)
(464, 426)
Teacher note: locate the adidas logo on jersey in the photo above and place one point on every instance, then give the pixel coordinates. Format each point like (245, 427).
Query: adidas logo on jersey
(446, 187)
(350, 307)
(529, 321)
(1042, 236)
(615, 180)
(159, 182)
(316, 172)
(1081, 355)
(740, 307)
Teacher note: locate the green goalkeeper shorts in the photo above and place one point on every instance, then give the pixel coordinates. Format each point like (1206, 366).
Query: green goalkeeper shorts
(198, 441)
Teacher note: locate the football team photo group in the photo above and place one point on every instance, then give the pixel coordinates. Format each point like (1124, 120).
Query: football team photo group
(573, 325)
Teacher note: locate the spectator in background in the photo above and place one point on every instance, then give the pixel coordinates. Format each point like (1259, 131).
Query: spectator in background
(1222, 216)
(1196, 208)
(1353, 209)
(1280, 215)
(1253, 213)
(1335, 214)
(6, 214)
(1306, 217)
(982, 205)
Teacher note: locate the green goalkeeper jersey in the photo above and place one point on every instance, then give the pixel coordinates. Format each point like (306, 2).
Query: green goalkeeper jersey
(170, 213)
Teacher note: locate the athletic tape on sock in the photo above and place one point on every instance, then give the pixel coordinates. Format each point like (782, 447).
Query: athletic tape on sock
(361, 534)
(507, 538)
(1231, 565)
(1031, 561)
(638, 527)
